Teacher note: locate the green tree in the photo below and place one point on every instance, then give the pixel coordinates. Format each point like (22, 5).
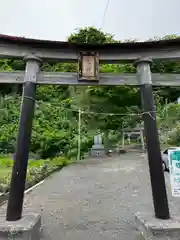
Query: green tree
(56, 120)
(91, 35)
(102, 100)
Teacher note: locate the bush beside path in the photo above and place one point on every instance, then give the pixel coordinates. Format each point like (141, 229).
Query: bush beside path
(37, 170)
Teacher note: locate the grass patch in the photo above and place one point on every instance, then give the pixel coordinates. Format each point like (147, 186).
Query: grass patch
(37, 170)
(164, 146)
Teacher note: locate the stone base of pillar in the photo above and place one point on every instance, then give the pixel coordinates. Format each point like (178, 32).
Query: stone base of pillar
(152, 228)
(98, 150)
(27, 228)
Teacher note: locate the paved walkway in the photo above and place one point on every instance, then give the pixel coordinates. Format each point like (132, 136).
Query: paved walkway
(94, 200)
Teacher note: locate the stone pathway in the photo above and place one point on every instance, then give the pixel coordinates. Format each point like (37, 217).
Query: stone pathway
(94, 199)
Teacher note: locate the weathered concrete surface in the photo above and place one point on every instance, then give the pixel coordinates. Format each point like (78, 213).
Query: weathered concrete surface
(27, 228)
(98, 150)
(98, 153)
(95, 200)
(157, 229)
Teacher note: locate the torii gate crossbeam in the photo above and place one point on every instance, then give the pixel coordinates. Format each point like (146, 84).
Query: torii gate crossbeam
(106, 79)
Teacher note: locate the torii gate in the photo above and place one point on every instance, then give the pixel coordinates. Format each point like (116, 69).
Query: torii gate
(88, 56)
(137, 131)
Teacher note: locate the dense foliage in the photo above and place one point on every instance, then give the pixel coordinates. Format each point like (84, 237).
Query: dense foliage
(55, 127)
(37, 170)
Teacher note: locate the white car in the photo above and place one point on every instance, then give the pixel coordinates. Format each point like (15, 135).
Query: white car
(164, 155)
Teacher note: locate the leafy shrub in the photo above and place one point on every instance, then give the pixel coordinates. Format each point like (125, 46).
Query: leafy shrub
(5, 162)
(54, 129)
(4, 184)
(72, 154)
(37, 170)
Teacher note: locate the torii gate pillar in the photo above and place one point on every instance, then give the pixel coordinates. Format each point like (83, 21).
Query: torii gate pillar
(152, 140)
(18, 179)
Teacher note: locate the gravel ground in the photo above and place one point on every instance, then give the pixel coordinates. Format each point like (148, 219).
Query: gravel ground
(95, 199)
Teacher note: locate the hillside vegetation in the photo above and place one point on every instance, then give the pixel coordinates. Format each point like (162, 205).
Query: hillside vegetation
(55, 126)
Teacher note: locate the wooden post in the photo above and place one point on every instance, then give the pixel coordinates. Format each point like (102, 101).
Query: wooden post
(166, 117)
(142, 140)
(106, 142)
(152, 140)
(123, 140)
(18, 179)
(129, 138)
(79, 135)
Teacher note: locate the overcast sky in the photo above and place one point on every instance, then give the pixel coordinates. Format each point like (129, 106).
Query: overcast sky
(56, 19)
